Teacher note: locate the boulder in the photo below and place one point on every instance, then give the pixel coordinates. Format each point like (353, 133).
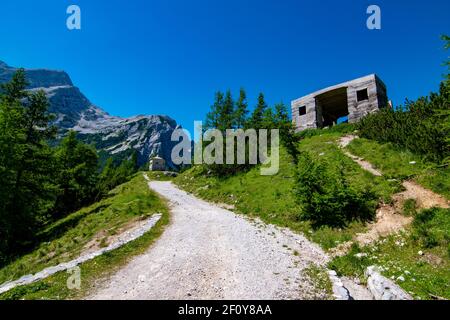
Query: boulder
(383, 288)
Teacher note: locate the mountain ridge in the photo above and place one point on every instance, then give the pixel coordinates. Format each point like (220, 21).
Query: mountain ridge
(148, 135)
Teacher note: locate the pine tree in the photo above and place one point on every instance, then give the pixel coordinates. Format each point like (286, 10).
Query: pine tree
(287, 131)
(241, 112)
(226, 114)
(14, 90)
(281, 114)
(213, 117)
(77, 175)
(268, 121)
(258, 114)
(27, 164)
(106, 178)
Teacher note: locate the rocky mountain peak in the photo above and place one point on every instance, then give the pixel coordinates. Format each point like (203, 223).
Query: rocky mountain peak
(113, 136)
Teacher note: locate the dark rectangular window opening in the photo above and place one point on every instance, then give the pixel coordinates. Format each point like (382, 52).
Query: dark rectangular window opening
(302, 110)
(362, 95)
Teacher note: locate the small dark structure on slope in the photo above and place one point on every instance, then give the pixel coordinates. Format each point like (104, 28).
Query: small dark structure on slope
(353, 99)
(157, 164)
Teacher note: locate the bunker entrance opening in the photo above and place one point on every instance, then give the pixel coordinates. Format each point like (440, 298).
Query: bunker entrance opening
(332, 106)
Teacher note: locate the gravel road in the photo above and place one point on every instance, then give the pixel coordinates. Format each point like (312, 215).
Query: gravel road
(207, 252)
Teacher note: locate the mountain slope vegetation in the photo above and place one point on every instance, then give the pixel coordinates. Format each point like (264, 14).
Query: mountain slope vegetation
(95, 226)
(43, 183)
(323, 193)
(113, 136)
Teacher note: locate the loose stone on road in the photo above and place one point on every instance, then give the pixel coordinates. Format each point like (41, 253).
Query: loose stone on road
(207, 252)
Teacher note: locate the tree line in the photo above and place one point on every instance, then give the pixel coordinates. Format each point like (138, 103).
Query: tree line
(227, 113)
(40, 183)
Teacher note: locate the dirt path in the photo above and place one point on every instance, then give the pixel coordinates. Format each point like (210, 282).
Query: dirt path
(210, 253)
(344, 142)
(389, 219)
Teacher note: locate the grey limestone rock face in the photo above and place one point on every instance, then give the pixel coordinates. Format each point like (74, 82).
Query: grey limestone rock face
(37, 78)
(115, 136)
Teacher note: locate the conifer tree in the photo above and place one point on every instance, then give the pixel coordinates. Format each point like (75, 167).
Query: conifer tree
(241, 112)
(257, 117)
(226, 114)
(27, 190)
(268, 121)
(281, 114)
(77, 175)
(213, 116)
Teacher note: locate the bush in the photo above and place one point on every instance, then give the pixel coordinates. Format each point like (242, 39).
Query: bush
(421, 127)
(326, 197)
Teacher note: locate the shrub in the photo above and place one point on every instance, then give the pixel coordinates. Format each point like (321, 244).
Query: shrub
(421, 126)
(326, 196)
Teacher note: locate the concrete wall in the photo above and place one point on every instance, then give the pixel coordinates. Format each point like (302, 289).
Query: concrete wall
(307, 121)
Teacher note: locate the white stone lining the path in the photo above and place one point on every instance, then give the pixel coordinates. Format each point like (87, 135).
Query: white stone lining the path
(382, 288)
(340, 292)
(123, 239)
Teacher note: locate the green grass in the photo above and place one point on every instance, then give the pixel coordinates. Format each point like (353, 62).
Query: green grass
(325, 147)
(340, 129)
(271, 198)
(319, 276)
(55, 287)
(158, 176)
(425, 276)
(66, 239)
(409, 207)
(397, 164)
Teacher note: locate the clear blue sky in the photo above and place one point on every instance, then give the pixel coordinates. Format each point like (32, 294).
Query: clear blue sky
(169, 57)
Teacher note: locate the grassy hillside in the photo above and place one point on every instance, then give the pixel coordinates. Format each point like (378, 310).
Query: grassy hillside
(417, 259)
(95, 225)
(271, 198)
(402, 164)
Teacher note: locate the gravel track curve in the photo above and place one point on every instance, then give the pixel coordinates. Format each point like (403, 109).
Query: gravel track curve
(207, 252)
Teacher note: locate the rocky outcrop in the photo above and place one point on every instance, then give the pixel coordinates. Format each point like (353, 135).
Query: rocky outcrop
(113, 136)
(37, 78)
(340, 292)
(383, 288)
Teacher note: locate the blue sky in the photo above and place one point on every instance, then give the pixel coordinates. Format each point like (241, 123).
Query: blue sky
(169, 57)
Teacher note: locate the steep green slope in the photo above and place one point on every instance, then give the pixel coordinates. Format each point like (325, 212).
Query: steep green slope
(417, 259)
(271, 198)
(95, 225)
(402, 164)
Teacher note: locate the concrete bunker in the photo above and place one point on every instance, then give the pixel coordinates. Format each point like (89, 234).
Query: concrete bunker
(157, 164)
(345, 102)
